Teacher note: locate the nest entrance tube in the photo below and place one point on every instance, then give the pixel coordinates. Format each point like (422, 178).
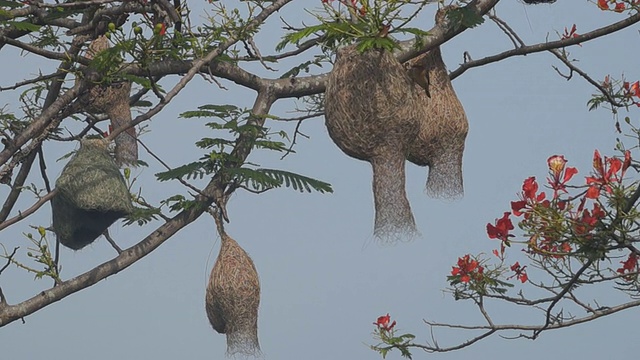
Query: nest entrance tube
(233, 298)
(371, 114)
(443, 126)
(393, 219)
(91, 196)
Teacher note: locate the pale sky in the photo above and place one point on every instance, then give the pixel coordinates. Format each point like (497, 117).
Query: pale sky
(323, 283)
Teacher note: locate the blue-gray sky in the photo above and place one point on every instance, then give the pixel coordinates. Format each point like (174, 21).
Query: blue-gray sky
(321, 286)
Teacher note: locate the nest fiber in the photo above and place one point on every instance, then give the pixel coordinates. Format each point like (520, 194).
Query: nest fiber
(233, 298)
(372, 114)
(443, 124)
(91, 195)
(113, 99)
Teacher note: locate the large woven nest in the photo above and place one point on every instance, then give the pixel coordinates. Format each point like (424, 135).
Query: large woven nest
(91, 195)
(443, 125)
(113, 99)
(233, 298)
(371, 113)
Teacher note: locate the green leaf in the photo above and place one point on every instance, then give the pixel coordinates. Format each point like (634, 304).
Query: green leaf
(464, 17)
(191, 170)
(23, 25)
(295, 37)
(141, 216)
(206, 143)
(10, 4)
(143, 103)
(264, 179)
(271, 145)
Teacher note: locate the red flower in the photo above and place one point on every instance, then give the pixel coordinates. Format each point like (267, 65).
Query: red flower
(629, 266)
(383, 323)
(634, 89)
(468, 269)
(530, 188)
(603, 4)
(605, 173)
(528, 198)
(501, 228)
(520, 272)
(568, 34)
(559, 174)
(620, 7)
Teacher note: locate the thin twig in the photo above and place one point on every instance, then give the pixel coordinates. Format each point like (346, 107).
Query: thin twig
(23, 214)
(112, 242)
(182, 181)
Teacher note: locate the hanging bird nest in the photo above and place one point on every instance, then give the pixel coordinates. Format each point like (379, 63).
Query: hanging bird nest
(233, 298)
(113, 99)
(443, 126)
(371, 116)
(91, 195)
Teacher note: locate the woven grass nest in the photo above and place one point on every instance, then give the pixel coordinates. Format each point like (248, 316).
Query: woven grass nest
(91, 195)
(372, 114)
(113, 99)
(443, 126)
(233, 298)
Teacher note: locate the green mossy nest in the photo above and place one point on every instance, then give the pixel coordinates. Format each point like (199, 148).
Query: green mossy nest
(91, 196)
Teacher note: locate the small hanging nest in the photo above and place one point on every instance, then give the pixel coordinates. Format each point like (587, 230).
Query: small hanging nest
(233, 298)
(371, 116)
(91, 195)
(443, 126)
(113, 99)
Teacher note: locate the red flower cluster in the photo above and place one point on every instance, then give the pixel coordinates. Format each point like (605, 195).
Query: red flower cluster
(468, 269)
(383, 323)
(630, 266)
(606, 172)
(617, 6)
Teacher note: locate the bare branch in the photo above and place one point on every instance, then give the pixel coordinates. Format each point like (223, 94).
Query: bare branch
(530, 49)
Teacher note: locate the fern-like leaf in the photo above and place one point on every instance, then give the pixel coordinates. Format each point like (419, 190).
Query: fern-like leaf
(191, 170)
(264, 179)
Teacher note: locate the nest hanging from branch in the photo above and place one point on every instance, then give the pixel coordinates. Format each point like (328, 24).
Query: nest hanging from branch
(371, 114)
(443, 126)
(233, 298)
(91, 195)
(113, 99)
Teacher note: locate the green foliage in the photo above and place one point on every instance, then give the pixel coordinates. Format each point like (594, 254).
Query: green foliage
(265, 179)
(464, 17)
(190, 171)
(369, 25)
(22, 25)
(10, 4)
(141, 216)
(40, 253)
(179, 203)
(235, 121)
(304, 67)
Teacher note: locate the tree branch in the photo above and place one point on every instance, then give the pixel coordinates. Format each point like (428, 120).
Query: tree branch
(525, 50)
